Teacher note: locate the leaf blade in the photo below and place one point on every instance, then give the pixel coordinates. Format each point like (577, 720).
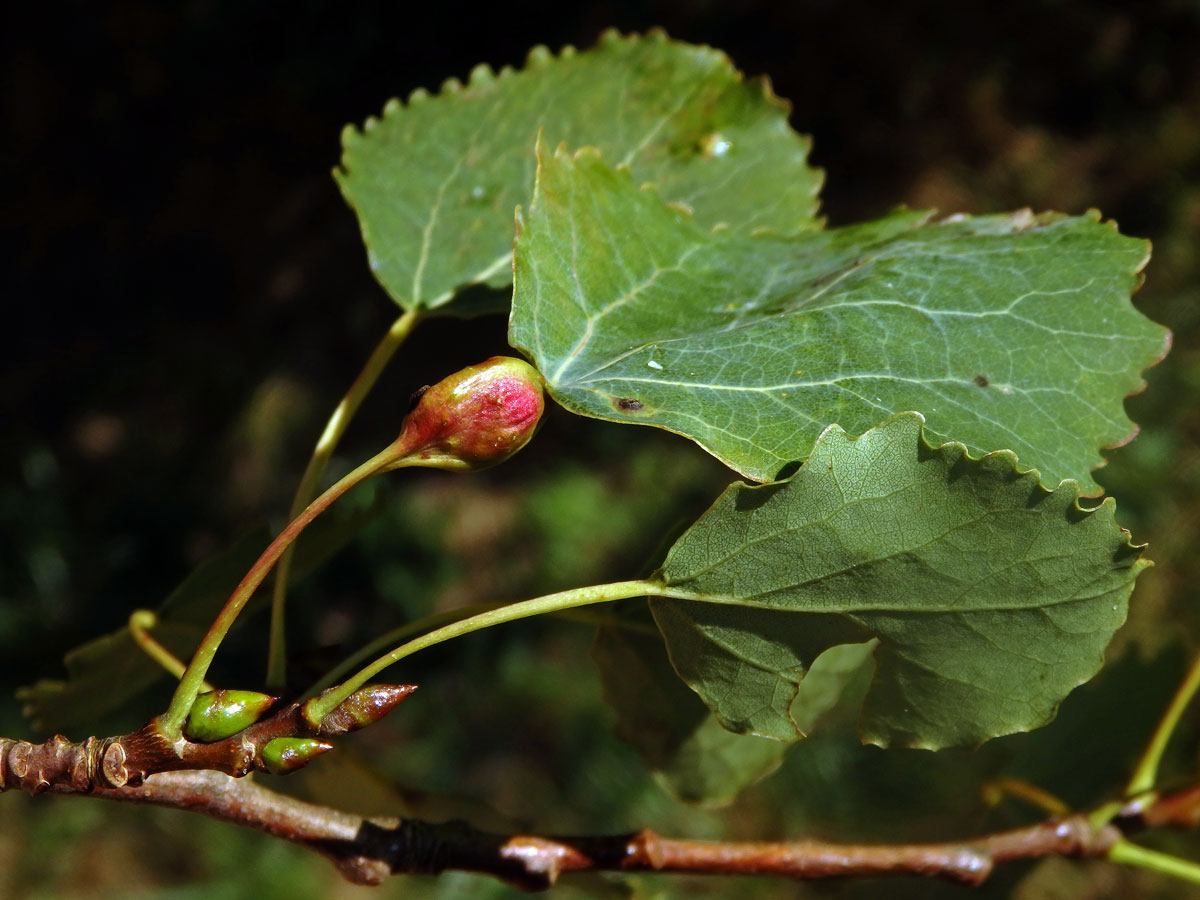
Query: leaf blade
(106, 674)
(1010, 331)
(693, 758)
(434, 182)
(991, 596)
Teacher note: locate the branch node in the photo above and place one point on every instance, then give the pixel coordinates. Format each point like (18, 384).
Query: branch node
(18, 759)
(112, 766)
(645, 849)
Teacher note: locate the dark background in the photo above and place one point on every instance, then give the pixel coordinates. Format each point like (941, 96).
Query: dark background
(186, 295)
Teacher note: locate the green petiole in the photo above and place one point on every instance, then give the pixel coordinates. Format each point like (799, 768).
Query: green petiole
(317, 463)
(190, 685)
(551, 603)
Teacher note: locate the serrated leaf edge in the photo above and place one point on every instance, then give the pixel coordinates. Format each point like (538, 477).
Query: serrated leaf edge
(1023, 218)
(1108, 506)
(539, 57)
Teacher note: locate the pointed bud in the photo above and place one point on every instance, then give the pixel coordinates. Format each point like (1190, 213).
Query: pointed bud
(216, 715)
(362, 708)
(287, 754)
(475, 418)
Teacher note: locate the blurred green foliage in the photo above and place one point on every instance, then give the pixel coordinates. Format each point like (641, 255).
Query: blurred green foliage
(193, 299)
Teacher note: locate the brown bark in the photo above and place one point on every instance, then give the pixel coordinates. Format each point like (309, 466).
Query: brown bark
(128, 760)
(146, 767)
(367, 850)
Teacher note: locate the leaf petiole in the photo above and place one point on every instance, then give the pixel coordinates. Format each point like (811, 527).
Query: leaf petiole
(551, 603)
(394, 637)
(171, 722)
(317, 463)
(140, 623)
(1145, 773)
(994, 791)
(426, 623)
(1127, 853)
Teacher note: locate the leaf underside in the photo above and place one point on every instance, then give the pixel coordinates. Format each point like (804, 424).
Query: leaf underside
(106, 674)
(990, 596)
(1006, 331)
(434, 182)
(693, 758)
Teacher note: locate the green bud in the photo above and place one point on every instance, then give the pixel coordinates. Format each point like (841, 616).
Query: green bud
(216, 715)
(362, 708)
(287, 754)
(475, 418)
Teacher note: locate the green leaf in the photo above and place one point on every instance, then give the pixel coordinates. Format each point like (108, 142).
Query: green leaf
(106, 673)
(1011, 331)
(102, 676)
(692, 756)
(434, 182)
(991, 596)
